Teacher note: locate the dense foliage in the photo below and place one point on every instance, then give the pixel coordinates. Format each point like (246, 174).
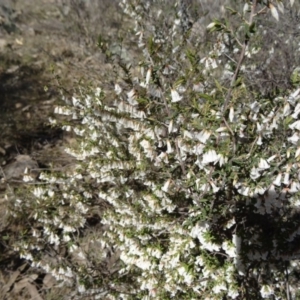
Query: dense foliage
(193, 162)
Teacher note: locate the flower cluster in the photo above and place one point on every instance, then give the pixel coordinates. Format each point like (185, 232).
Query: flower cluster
(200, 198)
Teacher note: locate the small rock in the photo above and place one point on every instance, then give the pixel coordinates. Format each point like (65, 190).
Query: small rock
(12, 69)
(49, 281)
(31, 31)
(16, 169)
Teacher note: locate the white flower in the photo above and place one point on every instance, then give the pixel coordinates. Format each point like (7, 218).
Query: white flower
(98, 92)
(209, 62)
(38, 192)
(295, 94)
(255, 106)
(297, 152)
(168, 69)
(132, 97)
(259, 190)
(170, 127)
(156, 253)
(53, 239)
(286, 179)
(52, 121)
(232, 292)
(26, 256)
(274, 11)
(201, 231)
(266, 291)
(296, 111)
(271, 158)
(222, 129)
(219, 288)
(175, 96)
(81, 255)
(27, 178)
(148, 76)
(222, 159)
(244, 190)
(66, 128)
(286, 109)
(214, 187)
(166, 186)
(198, 87)
(188, 134)
(210, 156)
(88, 101)
(259, 140)
(143, 264)
(36, 233)
(263, 164)
(75, 101)
(295, 125)
(254, 174)
(66, 238)
(67, 228)
(50, 193)
(230, 223)
(277, 181)
(169, 147)
(203, 136)
(294, 188)
(211, 25)
(188, 277)
(62, 110)
(231, 114)
(81, 288)
(118, 89)
(148, 149)
(229, 249)
(294, 138)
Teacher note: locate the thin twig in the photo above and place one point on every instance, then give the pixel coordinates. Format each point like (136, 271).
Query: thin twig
(232, 134)
(241, 59)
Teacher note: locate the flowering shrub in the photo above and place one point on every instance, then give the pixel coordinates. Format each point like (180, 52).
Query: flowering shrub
(196, 172)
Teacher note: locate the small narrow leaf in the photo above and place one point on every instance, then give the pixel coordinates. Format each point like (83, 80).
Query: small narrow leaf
(233, 12)
(218, 85)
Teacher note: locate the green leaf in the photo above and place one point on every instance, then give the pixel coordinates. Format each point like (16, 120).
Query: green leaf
(207, 97)
(215, 26)
(151, 46)
(252, 28)
(218, 85)
(231, 10)
(238, 82)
